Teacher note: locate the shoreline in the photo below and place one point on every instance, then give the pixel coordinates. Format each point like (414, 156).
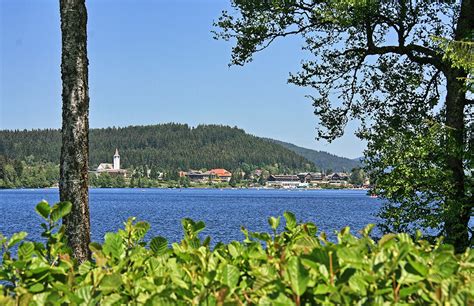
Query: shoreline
(200, 187)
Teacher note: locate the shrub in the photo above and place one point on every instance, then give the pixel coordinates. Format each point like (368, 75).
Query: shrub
(294, 267)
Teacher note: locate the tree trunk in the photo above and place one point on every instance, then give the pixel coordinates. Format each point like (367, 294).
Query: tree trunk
(73, 185)
(458, 214)
(457, 223)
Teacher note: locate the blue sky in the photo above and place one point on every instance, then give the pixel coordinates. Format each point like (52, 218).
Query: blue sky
(154, 62)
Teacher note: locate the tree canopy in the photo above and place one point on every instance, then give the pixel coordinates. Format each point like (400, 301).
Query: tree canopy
(387, 65)
(162, 147)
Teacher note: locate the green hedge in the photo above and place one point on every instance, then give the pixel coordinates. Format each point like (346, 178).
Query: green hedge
(294, 267)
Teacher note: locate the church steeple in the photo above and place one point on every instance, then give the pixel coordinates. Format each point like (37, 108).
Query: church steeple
(116, 160)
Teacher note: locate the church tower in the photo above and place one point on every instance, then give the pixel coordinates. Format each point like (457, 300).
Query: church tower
(116, 160)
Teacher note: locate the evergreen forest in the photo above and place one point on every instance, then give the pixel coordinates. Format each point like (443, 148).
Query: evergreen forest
(166, 146)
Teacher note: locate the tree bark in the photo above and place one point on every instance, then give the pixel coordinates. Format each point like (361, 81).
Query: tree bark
(73, 185)
(457, 222)
(458, 214)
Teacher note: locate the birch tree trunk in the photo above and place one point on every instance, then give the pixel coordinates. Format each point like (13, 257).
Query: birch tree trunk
(73, 185)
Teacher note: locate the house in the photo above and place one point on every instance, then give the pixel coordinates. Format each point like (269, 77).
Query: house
(221, 174)
(283, 181)
(112, 169)
(198, 176)
(338, 179)
(339, 176)
(310, 177)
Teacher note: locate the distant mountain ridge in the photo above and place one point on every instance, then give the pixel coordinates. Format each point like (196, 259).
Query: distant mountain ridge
(323, 160)
(168, 146)
(175, 146)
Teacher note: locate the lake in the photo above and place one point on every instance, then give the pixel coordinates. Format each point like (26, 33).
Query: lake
(223, 211)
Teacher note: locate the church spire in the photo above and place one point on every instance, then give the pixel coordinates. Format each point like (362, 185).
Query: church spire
(116, 160)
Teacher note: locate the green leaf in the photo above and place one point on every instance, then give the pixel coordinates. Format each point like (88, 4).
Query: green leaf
(141, 228)
(349, 255)
(358, 284)
(60, 210)
(112, 299)
(322, 289)
(16, 238)
(38, 287)
(230, 276)
(274, 222)
(85, 267)
(26, 250)
(234, 249)
(367, 230)
(43, 209)
(298, 275)
(386, 238)
(290, 220)
(111, 282)
(198, 227)
(418, 266)
(40, 271)
(85, 293)
(159, 245)
(113, 245)
(407, 291)
(191, 228)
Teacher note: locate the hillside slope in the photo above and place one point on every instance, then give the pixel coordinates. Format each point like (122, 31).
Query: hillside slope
(322, 160)
(166, 146)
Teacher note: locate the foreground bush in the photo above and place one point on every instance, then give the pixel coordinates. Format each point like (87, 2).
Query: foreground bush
(294, 267)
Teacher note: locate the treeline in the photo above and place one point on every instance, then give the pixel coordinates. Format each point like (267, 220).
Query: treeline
(27, 174)
(169, 146)
(138, 180)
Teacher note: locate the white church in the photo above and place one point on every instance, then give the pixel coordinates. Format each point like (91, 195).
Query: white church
(112, 169)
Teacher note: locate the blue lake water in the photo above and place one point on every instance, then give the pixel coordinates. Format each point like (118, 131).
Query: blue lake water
(223, 211)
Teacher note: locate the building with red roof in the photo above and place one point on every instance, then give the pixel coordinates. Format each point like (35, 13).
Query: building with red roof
(221, 174)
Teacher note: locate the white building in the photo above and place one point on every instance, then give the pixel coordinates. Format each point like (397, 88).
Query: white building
(112, 169)
(116, 160)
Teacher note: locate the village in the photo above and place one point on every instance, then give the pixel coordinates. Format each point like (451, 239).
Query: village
(220, 178)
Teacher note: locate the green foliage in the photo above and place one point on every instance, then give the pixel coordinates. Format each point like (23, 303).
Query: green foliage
(168, 146)
(461, 55)
(28, 173)
(391, 66)
(411, 173)
(358, 176)
(293, 267)
(105, 180)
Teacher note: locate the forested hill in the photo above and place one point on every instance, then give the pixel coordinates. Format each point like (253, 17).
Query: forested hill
(322, 160)
(167, 146)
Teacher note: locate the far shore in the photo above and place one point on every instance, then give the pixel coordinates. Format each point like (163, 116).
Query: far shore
(201, 187)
